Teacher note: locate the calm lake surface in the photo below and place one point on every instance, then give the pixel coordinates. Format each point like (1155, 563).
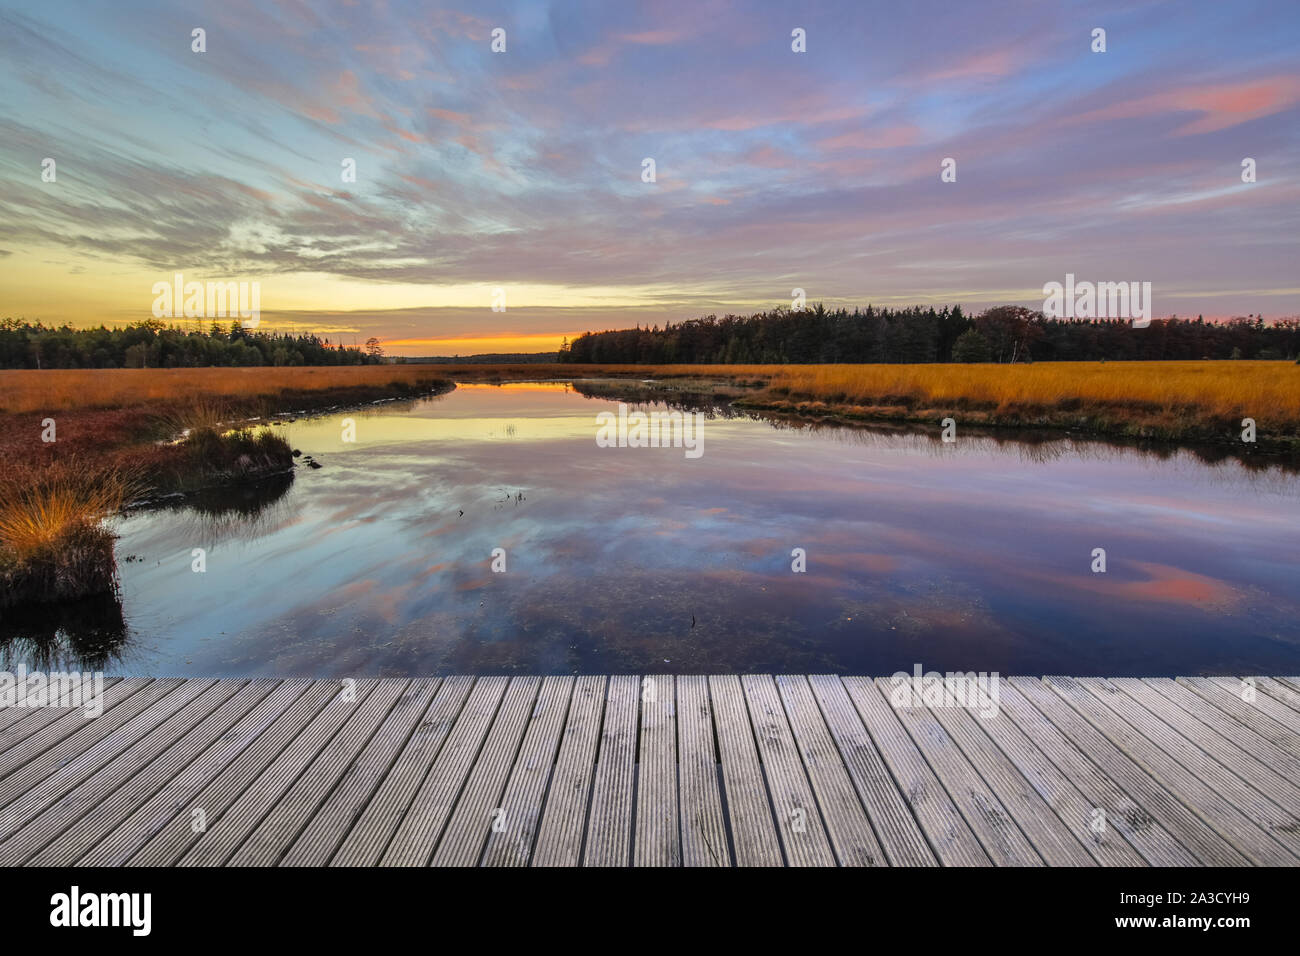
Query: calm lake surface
(975, 555)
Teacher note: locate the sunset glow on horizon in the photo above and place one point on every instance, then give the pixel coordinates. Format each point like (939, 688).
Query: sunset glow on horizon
(515, 178)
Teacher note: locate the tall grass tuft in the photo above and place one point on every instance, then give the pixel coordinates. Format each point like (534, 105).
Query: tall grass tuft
(53, 542)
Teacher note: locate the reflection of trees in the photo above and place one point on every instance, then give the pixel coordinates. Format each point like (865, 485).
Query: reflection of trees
(241, 511)
(88, 634)
(1033, 445)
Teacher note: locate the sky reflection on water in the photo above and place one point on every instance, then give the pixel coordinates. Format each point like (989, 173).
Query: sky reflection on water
(971, 556)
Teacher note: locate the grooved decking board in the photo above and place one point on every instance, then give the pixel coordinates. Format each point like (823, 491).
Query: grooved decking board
(988, 819)
(479, 807)
(1053, 840)
(18, 724)
(22, 742)
(657, 771)
(169, 838)
(847, 825)
(321, 837)
(31, 705)
(1167, 755)
(703, 826)
(1263, 701)
(753, 830)
(80, 770)
(109, 812)
(269, 841)
(1151, 796)
(20, 779)
(1251, 742)
(658, 839)
(144, 822)
(1238, 765)
(94, 791)
(1279, 690)
(418, 833)
(900, 837)
(564, 816)
(367, 840)
(1231, 703)
(950, 838)
(1065, 778)
(798, 819)
(223, 835)
(609, 829)
(511, 842)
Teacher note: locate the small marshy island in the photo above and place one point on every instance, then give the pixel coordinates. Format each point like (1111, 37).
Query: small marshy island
(80, 447)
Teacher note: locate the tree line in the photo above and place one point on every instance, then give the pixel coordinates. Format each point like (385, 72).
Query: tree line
(155, 344)
(1002, 334)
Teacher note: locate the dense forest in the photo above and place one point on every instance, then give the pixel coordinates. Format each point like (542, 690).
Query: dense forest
(1002, 334)
(154, 344)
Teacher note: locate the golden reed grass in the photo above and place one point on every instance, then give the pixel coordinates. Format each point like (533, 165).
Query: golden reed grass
(40, 510)
(1216, 389)
(52, 390)
(1210, 389)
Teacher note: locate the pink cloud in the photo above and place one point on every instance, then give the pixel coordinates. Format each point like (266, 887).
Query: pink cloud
(1222, 105)
(997, 63)
(894, 136)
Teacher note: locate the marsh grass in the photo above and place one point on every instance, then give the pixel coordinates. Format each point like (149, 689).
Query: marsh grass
(54, 544)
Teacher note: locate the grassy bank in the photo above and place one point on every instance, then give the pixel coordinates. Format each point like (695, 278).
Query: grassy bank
(123, 435)
(1202, 401)
(1173, 401)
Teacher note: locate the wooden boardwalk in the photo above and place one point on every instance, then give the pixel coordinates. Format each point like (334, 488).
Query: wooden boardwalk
(657, 771)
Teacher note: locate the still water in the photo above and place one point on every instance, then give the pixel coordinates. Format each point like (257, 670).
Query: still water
(976, 555)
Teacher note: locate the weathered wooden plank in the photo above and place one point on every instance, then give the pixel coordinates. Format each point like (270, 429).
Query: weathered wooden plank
(1279, 691)
(1060, 774)
(749, 808)
(950, 837)
(480, 805)
(23, 777)
(609, 827)
(658, 838)
(1057, 844)
(117, 846)
(290, 812)
(19, 723)
(1099, 774)
(984, 813)
(79, 800)
(846, 821)
(799, 820)
(330, 824)
(1247, 714)
(564, 818)
(72, 774)
(1263, 701)
(1242, 815)
(181, 746)
(31, 704)
(899, 834)
(1181, 772)
(1253, 743)
(1242, 764)
(226, 832)
(1153, 798)
(365, 843)
(172, 835)
(23, 742)
(511, 842)
(703, 827)
(417, 836)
